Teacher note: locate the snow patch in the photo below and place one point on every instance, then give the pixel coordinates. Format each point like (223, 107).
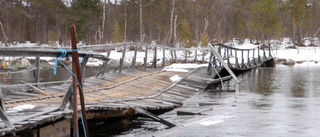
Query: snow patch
(21, 108)
(175, 78)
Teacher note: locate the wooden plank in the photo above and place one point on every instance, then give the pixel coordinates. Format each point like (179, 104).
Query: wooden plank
(154, 117)
(36, 89)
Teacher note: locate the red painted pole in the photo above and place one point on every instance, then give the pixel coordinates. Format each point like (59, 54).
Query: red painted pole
(76, 71)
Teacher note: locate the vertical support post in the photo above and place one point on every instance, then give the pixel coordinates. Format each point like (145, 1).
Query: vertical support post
(37, 75)
(248, 57)
(236, 56)
(74, 82)
(185, 56)
(219, 51)
(264, 53)
(269, 50)
(209, 64)
(77, 80)
(259, 60)
(196, 56)
(203, 54)
(145, 59)
(242, 62)
(164, 57)
(133, 65)
(155, 58)
(175, 56)
(254, 59)
(105, 63)
(228, 56)
(122, 58)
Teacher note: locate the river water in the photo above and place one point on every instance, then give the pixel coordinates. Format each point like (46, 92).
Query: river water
(281, 101)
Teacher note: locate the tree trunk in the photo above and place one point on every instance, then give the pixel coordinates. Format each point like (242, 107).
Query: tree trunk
(175, 29)
(115, 11)
(108, 27)
(294, 32)
(125, 21)
(44, 22)
(4, 35)
(141, 26)
(150, 23)
(171, 25)
(103, 18)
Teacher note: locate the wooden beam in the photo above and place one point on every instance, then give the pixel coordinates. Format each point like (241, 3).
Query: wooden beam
(36, 89)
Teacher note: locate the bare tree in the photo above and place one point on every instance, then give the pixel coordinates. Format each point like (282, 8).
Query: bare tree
(171, 24)
(4, 35)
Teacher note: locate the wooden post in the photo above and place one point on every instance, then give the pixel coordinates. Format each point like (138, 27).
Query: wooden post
(269, 50)
(175, 56)
(37, 75)
(228, 56)
(185, 56)
(134, 58)
(195, 56)
(219, 51)
(145, 59)
(122, 58)
(242, 58)
(236, 56)
(259, 60)
(203, 54)
(163, 57)
(248, 57)
(77, 79)
(155, 58)
(264, 53)
(105, 63)
(254, 60)
(209, 64)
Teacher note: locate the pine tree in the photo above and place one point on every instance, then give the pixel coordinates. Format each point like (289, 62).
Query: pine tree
(299, 15)
(265, 20)
(204, 38)
(239, 27)
(116, 34)
(186, 35)
(87, 14)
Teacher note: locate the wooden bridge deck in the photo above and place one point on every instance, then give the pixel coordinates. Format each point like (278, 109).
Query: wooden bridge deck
(150, 90)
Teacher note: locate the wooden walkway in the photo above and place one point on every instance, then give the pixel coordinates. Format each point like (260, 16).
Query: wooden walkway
(150, 90)
(120, 93)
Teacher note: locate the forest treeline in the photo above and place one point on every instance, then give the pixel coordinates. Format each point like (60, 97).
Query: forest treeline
(168, 22)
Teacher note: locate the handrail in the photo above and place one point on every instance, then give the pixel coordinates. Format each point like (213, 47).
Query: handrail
(216, 54)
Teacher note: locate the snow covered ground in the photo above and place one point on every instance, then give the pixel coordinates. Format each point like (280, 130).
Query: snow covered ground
(280, 50)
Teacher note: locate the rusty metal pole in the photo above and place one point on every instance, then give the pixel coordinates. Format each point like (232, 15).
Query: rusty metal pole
(74, 85)
(76, 71)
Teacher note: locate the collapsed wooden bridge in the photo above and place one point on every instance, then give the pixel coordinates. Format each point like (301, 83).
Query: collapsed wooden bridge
(118, 93)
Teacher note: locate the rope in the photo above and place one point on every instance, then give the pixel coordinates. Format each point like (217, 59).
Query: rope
(63, 54)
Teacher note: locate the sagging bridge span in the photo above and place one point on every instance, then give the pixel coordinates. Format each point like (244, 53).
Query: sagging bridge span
(123, 91)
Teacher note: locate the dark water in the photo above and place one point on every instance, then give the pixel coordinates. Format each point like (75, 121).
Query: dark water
(282, 101)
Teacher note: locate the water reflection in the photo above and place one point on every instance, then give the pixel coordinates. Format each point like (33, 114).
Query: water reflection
(261, 81)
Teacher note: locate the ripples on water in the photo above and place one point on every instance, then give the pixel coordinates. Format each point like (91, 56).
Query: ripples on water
(280, 101)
